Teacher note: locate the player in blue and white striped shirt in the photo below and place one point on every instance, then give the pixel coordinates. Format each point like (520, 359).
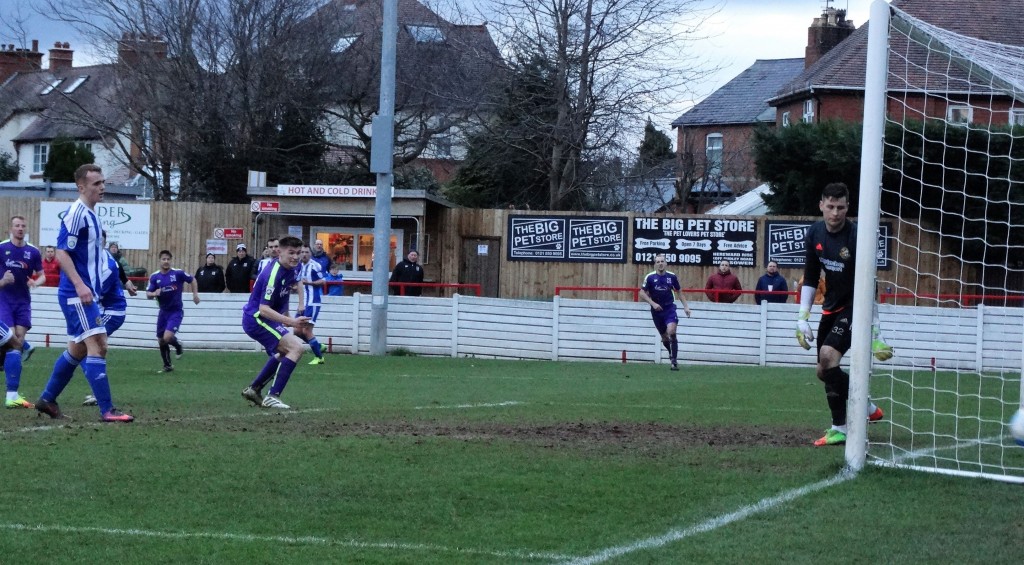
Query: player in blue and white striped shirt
(84, 267)
(312, 277)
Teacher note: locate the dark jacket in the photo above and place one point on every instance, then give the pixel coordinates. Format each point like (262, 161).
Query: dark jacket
(777, 282)
(210, 278)
(238, 273)
(407, 271)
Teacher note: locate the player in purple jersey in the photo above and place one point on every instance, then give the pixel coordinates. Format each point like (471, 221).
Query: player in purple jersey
(166, 285)
(265, 319)
(22, 270)
(83, 269)
(660, 289)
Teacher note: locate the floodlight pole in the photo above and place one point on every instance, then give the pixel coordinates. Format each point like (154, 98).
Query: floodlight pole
(864, 293)
(382, 142)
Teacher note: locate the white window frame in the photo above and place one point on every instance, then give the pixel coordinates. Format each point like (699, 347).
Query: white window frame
(1017, 116)
(808, 116)
(959, 114)
(40, 154)
(426, 33)
(785, 119)
(78, 82)
(358, 254)
(51, 87)
(713, 154)
(344, 42)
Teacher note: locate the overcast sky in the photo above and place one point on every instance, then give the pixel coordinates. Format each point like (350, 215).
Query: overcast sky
(740, 33)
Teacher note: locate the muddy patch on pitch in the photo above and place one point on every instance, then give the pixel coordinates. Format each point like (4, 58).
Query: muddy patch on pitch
(639, 436)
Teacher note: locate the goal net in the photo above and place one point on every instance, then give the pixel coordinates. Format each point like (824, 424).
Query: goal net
(951, 301)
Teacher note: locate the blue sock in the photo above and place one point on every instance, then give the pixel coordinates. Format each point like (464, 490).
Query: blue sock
(315, 346)
(25, 345)
(283, 374)
(12, 369)
(63, 370)
(266, 373)
(96, 373)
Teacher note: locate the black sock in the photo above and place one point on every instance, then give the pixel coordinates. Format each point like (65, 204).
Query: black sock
(837, 392)
(674, 350)
(165, 354)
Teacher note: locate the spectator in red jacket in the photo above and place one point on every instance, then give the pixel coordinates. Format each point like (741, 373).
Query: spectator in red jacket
(51, 267)
(722, 280)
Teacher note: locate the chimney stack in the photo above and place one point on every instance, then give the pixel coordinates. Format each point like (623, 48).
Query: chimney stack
(135, 48)
(827, 31)
(14, 60)
(61, 56)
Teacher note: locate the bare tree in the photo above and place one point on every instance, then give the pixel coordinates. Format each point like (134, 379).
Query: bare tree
(613, 62)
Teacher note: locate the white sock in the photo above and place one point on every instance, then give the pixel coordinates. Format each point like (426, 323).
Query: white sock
(839, 428)
(12, 395)
(871, 407)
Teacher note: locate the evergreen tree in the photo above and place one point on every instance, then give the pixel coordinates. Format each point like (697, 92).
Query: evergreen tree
(65, 156)
(8, 168)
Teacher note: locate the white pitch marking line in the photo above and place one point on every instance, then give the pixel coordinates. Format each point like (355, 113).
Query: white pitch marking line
(762, 505)
(464, 406)
(300, 540)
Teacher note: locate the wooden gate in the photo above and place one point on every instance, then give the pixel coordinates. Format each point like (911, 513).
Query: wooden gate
(480, 263)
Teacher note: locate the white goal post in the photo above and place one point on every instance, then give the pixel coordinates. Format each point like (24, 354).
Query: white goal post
(943, 150)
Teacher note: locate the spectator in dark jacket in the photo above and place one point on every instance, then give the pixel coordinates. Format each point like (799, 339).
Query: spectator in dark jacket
(720, 281)
(408, 270)
(321, 256)
(772, 281)
(239, 271)
(210, 277)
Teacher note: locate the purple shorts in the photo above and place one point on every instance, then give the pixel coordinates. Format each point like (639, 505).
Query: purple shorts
(16, 314)
(664, 317)
(168, 321)
(267, 334)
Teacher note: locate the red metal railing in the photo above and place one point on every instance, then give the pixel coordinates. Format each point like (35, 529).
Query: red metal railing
(687, 291)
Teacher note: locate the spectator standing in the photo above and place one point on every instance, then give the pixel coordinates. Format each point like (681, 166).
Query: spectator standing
(79, 244)
(409, 271)
(166, 285)
(772, 281)
(239, 271)
(270, 253)
(334, 276)
(720, 281)
(210, 277)
(115, 252)
(51, 266)
(321, 256)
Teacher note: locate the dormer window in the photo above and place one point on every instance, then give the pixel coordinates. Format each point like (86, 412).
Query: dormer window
(426, 34)
(50, 87)
(78, 82)
(344, 42)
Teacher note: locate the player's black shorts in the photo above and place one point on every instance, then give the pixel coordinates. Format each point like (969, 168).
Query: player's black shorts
(834, 331)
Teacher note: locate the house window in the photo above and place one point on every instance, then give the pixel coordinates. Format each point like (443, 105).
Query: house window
(85, 146)
(426, 34)
(713, 153)
(1017, 117)
(959, 114)
(49, 88)
(40, 154)
(441, 146)
(808, 116)
(78, 82)
(785, 119)
(344, 42)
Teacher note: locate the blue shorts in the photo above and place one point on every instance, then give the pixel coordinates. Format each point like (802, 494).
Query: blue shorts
(664, 317)
(267, 334)
(312, 312)
(5, 334)
(16, 314)
(83, 320)
(168, 321)
(113, 309)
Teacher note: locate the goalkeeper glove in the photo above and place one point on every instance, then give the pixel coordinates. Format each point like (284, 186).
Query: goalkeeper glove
(879, 348)
(803, 329)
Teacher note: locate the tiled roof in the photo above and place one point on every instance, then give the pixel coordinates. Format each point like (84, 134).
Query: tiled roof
(451, 72)
(743, 100)
(843, 67)
(80, 114)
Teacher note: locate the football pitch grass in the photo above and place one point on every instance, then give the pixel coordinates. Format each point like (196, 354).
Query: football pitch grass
(434, 460)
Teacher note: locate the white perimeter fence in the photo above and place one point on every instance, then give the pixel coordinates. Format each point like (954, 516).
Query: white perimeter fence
(981, 338)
